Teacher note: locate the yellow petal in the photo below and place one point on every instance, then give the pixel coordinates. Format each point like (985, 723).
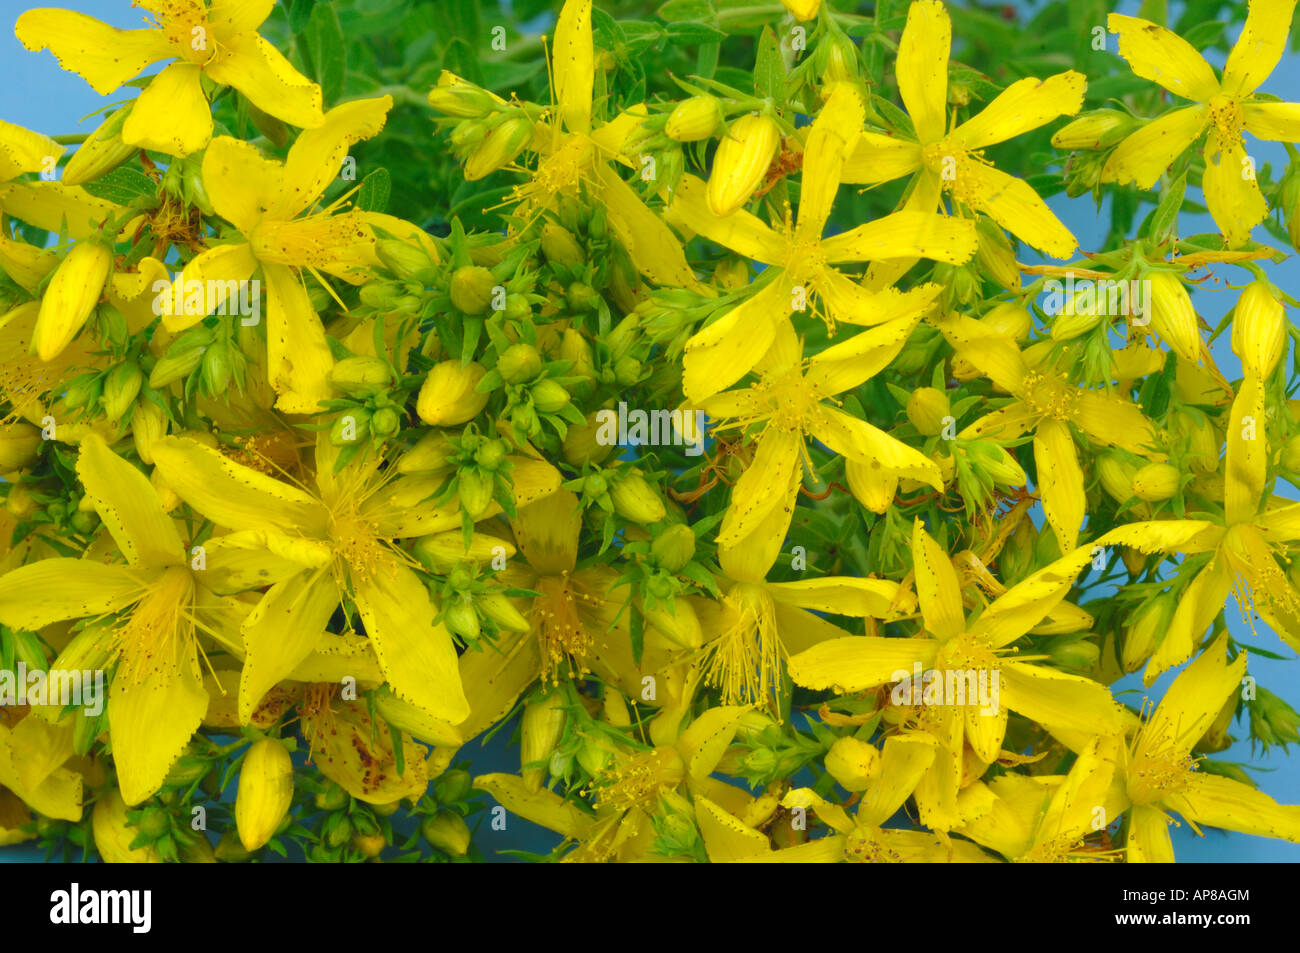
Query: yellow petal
(1213, 801)
(839, 595)
(727, 838)
(495, 677)
(104, 56)
(416, 654)
(298, 357)
(904, 760)
(240, 182)
(1195, 699)
(1060, 481)
(281, 632)
(31, 757)
(1200, 602)
(703, 744)
(358, 755)
(986, 730)
(878, 158)
(724, 351)
(1027, 603)
(257, 69)
(1014, 205)
(750, 555)
(171, 115)
(850, 363)
(848, 301)
(541, 807)
(152, 719)
(857, 439)
(547, 532)
(69, 298)
(741, 231)
(1164, 57)
(55, 207)
(129, 507)
(573, 65)
(1148, 837)
(830, 141)
(1114, 420)
(1260, 46)
(22, 150)
(860, 662)
(922, 67)
(654, 249)
(1231, 191)
(937, 587)
(1145, 155)
(1024, 105)
(907, 234)
(253, 559)
(1276, 122)
(232, 495)
(1057, 699)
(51, 590)
(1246, 459)
(315, 158)
(763, 486)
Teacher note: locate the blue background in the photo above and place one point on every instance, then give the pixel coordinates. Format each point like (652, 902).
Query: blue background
(35, 93)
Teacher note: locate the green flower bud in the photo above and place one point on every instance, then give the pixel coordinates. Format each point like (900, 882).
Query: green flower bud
(360, 376)
(549, 396)
(471, 289)
(674, 547)
(1157, 481)
(385, 422)
(121, 385)
(475, 490)
(448, 832)
(519, 363)
(560, 247)
(407, 261)
(636, 500)
(926, 410)
(452, 786)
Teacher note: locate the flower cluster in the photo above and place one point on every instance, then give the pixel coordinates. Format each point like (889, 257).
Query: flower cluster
(704, 436)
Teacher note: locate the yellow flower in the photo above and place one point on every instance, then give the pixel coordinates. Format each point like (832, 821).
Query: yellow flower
(218, 40)
(952, 160)
(1159, 774)
(1046, 818)
(1223, 107)
(761, 623)
(346, 545)
(157, 698)
(951, 645)
(800, 261)
(860, 838)
(573, 156)
(33, 757)
(1046, 402)
(629, 789)
(791, 402)
(264, 199)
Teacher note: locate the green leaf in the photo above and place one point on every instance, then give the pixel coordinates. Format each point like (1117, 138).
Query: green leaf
(125, 186)
(769, 67)
(675, 10)
(324, 51)
(374, 191)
